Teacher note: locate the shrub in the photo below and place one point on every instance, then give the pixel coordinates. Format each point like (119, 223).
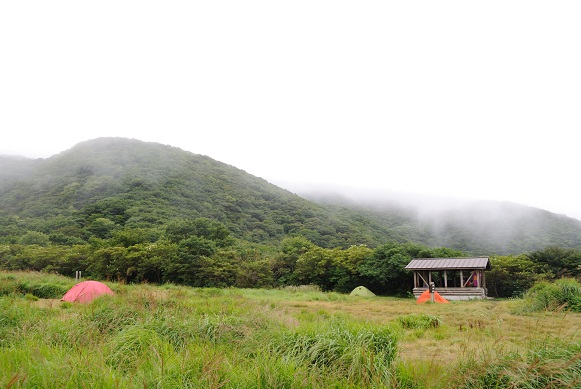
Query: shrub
(561, 294)
(49, 291)
(44, 289)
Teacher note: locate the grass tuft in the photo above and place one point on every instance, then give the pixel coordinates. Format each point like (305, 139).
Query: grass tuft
(549, 366)
(359, 353)
(419, 321)
(131, 347)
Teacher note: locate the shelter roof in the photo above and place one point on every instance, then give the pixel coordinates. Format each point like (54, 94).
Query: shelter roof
(448, 263)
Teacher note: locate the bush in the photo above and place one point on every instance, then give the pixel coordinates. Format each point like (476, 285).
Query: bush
(44, 287)
(43, 291)
(49, 291)
(561, 294)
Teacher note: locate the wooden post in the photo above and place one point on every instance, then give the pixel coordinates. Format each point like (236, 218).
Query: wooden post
(445, 279)
(461, 279)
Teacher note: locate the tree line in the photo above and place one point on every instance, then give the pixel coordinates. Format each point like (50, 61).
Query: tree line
(202, 252)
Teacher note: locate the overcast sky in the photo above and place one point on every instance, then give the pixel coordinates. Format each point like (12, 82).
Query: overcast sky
(456, 98)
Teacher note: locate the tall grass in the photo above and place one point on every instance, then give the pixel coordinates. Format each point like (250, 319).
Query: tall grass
(563, 294)
(547, 366)
(46, 286)
(178, 337)
(419, 321)
(360, 353)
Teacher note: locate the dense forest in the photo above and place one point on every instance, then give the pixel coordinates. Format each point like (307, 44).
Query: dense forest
(135, 184)
(144, 212)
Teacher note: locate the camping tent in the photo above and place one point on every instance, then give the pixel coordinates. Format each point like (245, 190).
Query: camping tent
(362, 291)
(86, 291)
(426, 297)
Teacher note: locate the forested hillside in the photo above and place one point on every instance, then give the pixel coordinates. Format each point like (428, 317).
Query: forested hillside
(105, 185)
(144, 212)
(108, 184)
(14, 168)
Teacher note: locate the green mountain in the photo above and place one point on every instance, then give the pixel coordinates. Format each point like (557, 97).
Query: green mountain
(137, 184)
(131, 184)
(13, 168)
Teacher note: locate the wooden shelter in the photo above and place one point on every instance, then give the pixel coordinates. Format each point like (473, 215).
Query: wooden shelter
(454, 278)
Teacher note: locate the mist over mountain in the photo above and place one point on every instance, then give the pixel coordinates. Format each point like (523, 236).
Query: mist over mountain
(479, 227)
(135, 184)
(13, 168)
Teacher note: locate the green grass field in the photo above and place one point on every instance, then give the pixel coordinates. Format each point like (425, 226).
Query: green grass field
(177, 337)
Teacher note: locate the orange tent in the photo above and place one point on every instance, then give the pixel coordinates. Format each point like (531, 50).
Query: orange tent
(86, 291)
(426, 297)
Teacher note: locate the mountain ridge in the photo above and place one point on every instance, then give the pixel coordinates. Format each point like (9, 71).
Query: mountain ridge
(474, 225)
(151, 184)
(145, 184)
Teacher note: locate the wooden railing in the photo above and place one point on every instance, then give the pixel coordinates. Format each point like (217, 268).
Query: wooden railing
(467, 293)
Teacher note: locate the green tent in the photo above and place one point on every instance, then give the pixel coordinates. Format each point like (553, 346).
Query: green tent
(362, 291)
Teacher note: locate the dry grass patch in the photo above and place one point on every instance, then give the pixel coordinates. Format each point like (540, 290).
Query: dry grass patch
(485, 327)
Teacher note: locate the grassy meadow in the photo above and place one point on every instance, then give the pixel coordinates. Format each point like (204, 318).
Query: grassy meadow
(178, 337)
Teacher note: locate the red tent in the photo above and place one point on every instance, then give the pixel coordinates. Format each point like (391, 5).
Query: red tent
(426, 297)
(86, 291)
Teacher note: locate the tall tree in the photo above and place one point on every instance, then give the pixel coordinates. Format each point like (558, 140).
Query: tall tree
(283, 267)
